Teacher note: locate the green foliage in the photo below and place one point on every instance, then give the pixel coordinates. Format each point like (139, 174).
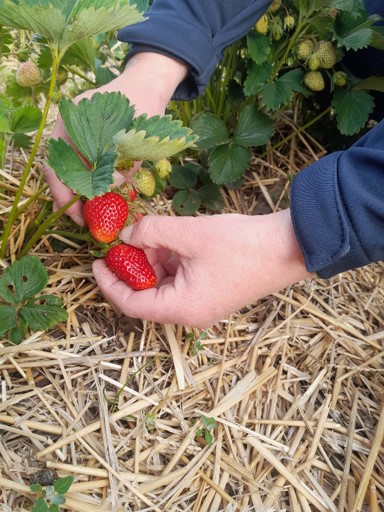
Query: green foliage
(20, 285)
(352, 110)
(51, 497)
(195, 190)
(66, 23)
(209, 424)
(229, 154)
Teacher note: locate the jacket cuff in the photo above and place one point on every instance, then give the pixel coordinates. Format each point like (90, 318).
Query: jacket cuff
(321, 222)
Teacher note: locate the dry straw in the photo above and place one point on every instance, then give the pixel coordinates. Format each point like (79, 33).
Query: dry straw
(293, 382)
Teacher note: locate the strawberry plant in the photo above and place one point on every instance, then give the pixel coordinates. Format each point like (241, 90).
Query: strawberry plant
(291, 59)
(49, 491)
(25, 308)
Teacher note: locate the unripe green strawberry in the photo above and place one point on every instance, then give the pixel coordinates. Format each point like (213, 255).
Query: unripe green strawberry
(340, 78)
(131, 265)
(28, 74)
(62, 76)
(275, 6)
(314, 62)
(105, 216)
(327, 54)
(289, 22)
(305, 49)
(144, 182)
(314, 80)
(262, 25)
(163, 168)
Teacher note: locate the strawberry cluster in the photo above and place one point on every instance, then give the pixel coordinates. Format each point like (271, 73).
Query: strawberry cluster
(105, 216)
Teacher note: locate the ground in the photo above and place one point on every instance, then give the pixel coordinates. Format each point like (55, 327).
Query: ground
(278, 407)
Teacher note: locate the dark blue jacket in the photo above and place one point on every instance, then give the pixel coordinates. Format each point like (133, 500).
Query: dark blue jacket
(337, 203)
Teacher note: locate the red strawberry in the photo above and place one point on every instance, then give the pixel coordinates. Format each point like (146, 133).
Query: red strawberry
(105, 216)
(131, 192)
(131, 265)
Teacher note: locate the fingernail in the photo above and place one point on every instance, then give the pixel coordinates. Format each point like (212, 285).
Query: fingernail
(126, 233)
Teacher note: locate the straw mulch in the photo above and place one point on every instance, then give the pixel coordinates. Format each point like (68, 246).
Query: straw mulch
(294, 383)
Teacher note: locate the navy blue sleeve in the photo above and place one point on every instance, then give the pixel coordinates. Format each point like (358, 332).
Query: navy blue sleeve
(337, 207)
(195, 32)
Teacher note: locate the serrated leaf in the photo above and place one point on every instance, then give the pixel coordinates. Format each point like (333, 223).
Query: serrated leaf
(65, 23)
(352, 110)
(186, 202)
(254, 128)
(354, 32)
(153, 138)
(40, 505)
(257, 75)
(26, 119)
(278, 93)
(211, 197)
(70, 169)
(183, 177)
(6, 108)
(210, 129)
(228, 162)
(93, 122)
(18, 331)
(23, 280)
(259, 47)
(43, 312)
(373, 83)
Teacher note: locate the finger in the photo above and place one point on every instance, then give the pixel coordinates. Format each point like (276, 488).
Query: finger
(62, 195)
(155, 304)
(157, 232)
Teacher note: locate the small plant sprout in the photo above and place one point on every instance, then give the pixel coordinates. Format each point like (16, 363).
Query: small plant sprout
(49, 498)
(209, 424)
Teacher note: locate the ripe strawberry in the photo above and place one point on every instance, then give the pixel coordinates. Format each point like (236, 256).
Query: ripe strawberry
(262, 25)
(305, 49)
(131, 192)
(131, 265)
(28, 74)
(163, 168)
(314, 80)
(144, 182)
(105, 215)
(327, 54)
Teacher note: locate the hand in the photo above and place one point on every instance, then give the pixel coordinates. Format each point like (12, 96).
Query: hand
(149, 80)
(207, 267)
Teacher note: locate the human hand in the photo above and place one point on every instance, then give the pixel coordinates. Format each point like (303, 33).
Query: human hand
(148, 80)
(207, 267)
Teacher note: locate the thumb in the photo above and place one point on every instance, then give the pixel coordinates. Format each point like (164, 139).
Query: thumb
(161, 232)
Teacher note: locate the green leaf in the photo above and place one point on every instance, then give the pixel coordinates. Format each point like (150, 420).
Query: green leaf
(211, 197)
(18, 331)
(352, 110)
(186, 202)
(65, 23)
(354, 32)
(259, 47)
(378, 38)
(75, 174)
(62, 485)
(210, 129)
(5, 114)
(55, 507)
(208, 437)
(257, 75)
(36, 487)
(57, 499)
(26, 119)
(228, 162)
(279, 93)
(254, 128)
(8, 317)
(23, 280)
(43, 312)
(40, 505)
(93, 122)
(373, 83)
(153, 138)
(183, 176)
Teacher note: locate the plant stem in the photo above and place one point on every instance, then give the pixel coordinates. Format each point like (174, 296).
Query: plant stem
(45, 225)
(24, 178)
(75, 71)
